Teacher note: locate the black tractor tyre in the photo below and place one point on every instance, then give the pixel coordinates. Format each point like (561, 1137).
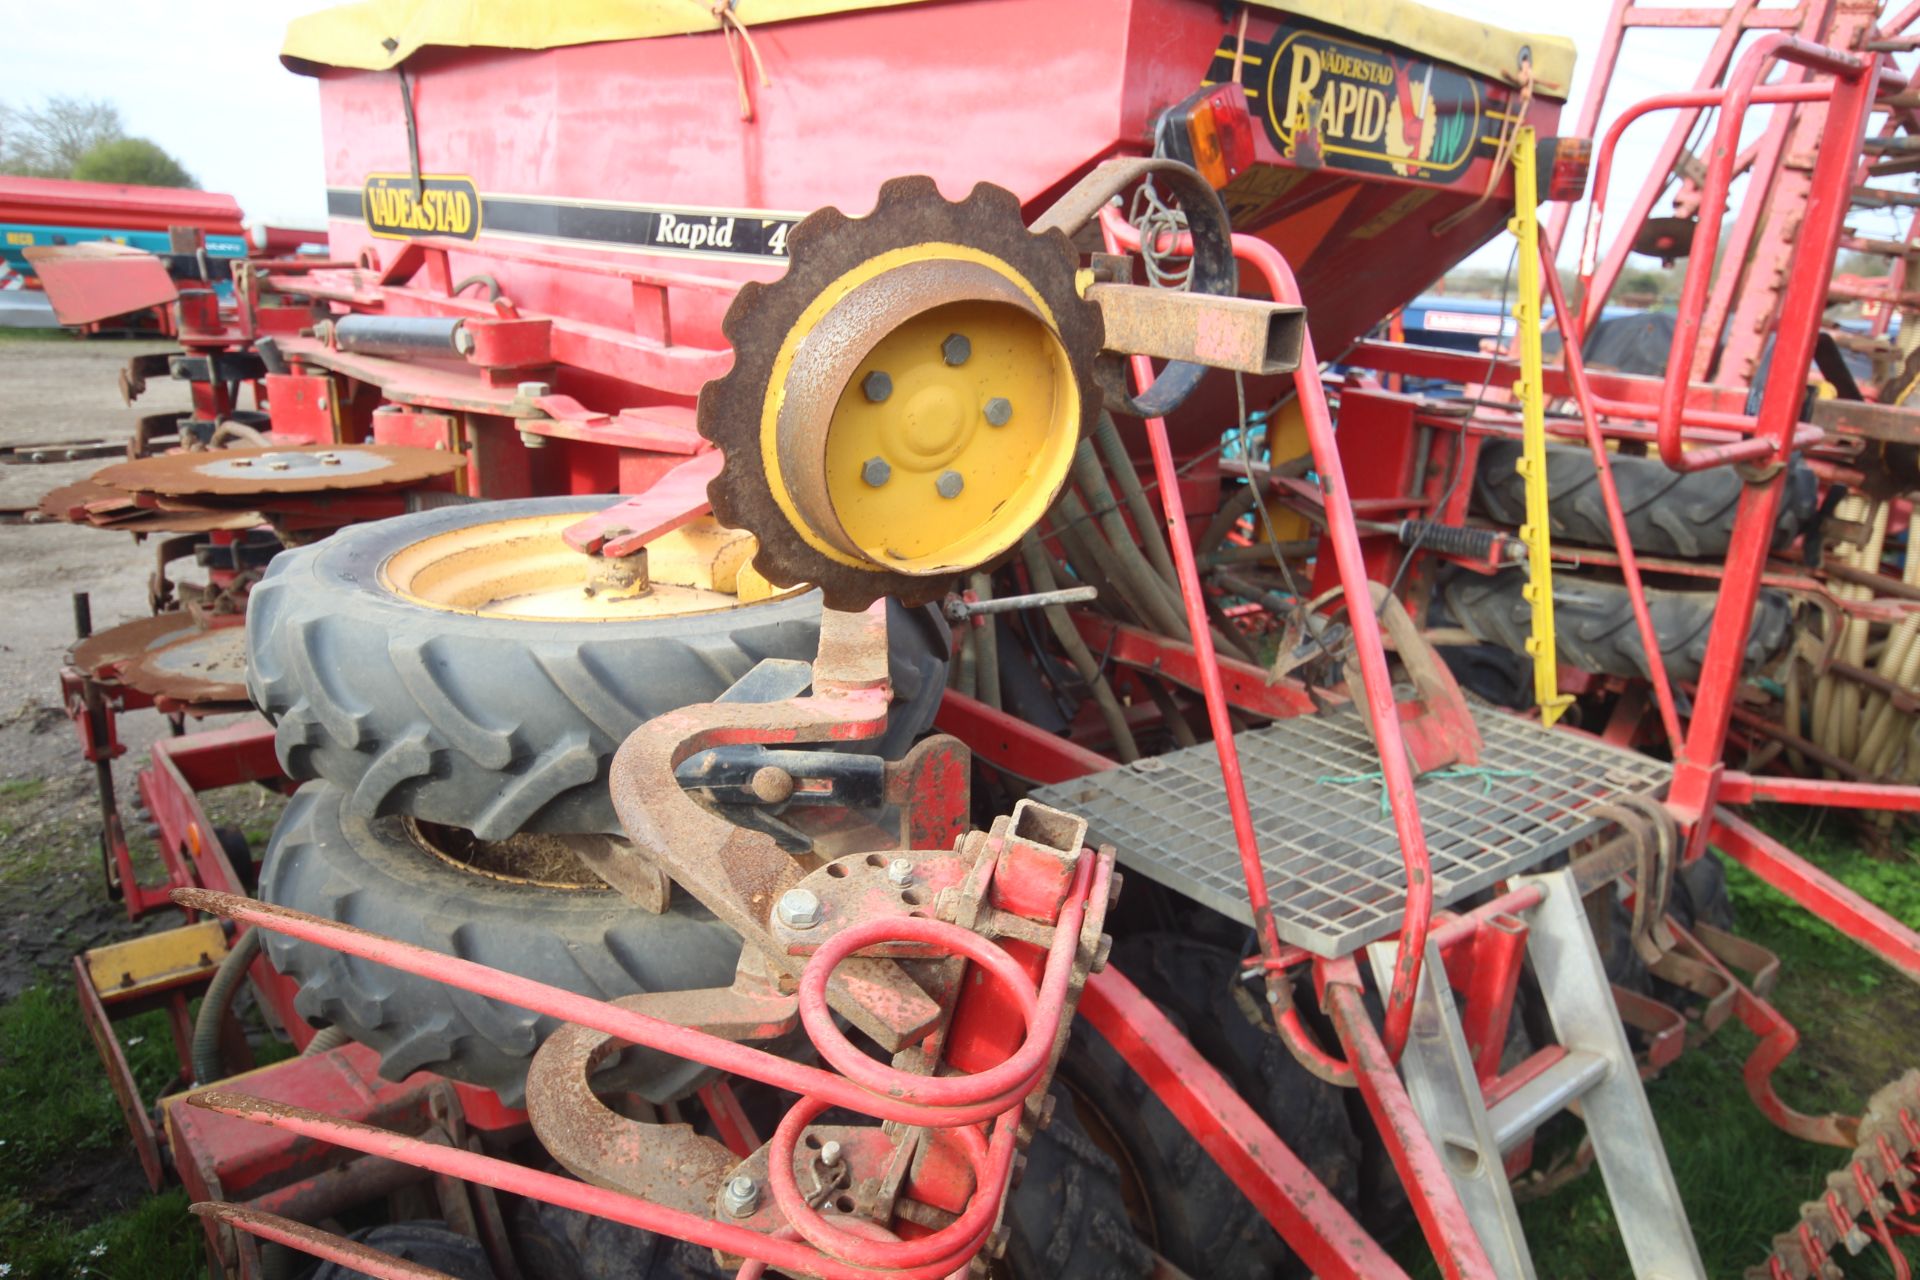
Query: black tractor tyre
(1685, 515)
(1182, 1204)
(1594, 627)
(376, 876)
(553, 1243)
(431, 1244)
(1699, 894)
(1067, 1220)
(500, 724)
(1231, 1026)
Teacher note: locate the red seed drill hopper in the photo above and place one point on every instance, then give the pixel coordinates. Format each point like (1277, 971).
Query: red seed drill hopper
(668, 253)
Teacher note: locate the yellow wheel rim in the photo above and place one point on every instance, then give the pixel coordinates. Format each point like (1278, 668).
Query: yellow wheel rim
(523, 569)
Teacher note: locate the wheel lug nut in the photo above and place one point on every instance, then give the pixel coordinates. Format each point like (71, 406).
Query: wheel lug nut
(741, 1196)
(949, 484)
(999, 411)
(956, 349)
(900, 871)
(876, 386)
(799, 909)
(875, 471)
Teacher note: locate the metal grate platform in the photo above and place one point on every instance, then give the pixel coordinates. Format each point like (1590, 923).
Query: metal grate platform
(1333, 861)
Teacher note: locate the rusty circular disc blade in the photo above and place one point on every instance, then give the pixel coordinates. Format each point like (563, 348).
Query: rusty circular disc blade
(64, 502)
(280, 470)
(195, 521)
(210, 666)
(101, 654)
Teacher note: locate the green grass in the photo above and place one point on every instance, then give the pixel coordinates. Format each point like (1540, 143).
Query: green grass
(155, 1240)
(59, 1124)
(54, 1100)
(34, 335)
(22, 790)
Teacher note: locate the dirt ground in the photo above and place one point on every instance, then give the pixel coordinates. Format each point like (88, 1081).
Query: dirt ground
(60, 388)
(57, 388)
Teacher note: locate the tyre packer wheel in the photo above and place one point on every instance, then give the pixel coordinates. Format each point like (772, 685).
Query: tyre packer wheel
(1677, 514)
(519, 906)
(457, 665)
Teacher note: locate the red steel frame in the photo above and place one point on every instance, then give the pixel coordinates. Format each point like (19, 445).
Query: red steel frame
(1308, 1217)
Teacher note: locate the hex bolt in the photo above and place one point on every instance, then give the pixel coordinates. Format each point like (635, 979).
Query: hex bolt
(279, 464)
(533, 440)
(900, 872)
(533, 390)
(329, 459)
(999, 411)
(243, 462)
(876, 386)
(950, 484)
(956, 349)
(799, 909)
(741, 1196)
(875, 471)
(830, 1154)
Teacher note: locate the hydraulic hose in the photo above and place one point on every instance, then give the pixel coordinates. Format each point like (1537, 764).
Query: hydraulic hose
(1040, 574)
(324, 1040)
(213, 1007)
(1106, 437)
(986, 645)
(1151, 592)
(1083, 541)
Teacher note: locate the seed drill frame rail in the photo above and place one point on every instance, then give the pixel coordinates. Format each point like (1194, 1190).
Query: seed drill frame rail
(1024, 901)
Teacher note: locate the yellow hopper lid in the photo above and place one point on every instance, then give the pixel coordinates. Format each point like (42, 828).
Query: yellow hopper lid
(377, 35)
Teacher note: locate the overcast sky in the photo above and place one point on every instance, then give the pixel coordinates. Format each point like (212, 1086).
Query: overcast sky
(204, 80)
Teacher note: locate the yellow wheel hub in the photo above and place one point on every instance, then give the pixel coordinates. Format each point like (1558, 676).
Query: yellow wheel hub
(921, 478)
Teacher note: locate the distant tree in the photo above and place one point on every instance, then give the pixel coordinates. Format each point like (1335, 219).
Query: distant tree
(1872, 265)
(48, 141)
(133, 160)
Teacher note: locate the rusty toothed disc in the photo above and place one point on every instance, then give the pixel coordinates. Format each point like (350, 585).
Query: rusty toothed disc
(280, 469)
(904, 403)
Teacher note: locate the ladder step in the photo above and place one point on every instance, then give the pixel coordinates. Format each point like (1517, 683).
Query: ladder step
(1874, 197)
(1545, 1096)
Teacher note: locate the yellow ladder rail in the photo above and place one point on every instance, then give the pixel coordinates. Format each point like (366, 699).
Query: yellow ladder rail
(1536, 532)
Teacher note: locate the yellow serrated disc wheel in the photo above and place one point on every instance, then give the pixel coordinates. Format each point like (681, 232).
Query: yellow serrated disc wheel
(905, 403)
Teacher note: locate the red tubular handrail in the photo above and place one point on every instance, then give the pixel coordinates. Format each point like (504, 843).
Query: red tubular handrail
(550, 1188)
(655, 1033)
(1741, 90)
(1603, 173)
(998, 1093)
(1395, 767)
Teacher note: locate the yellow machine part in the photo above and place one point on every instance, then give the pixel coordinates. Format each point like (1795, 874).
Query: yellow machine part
(377, 35)
(1286, 438)
(157, 960)
(1531, 392)
(523, 568)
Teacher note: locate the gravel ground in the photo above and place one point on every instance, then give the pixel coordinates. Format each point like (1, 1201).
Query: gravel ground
(55, 387)
(52, 898)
